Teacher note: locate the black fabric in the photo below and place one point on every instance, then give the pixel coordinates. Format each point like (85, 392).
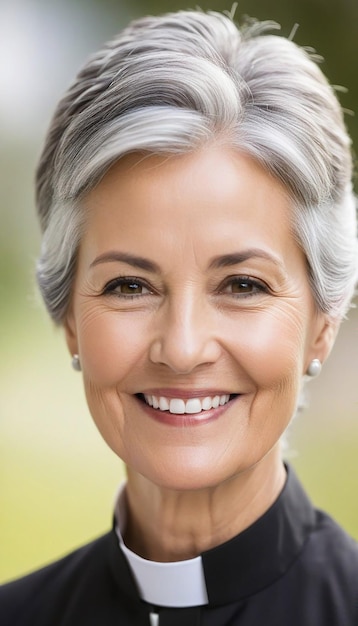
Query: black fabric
(293, 567)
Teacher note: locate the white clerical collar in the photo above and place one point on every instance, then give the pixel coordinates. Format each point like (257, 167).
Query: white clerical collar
(179, 584)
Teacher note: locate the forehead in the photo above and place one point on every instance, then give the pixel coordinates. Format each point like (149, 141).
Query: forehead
(215, 195)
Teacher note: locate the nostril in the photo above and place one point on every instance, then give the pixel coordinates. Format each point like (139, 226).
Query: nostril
(181, 350)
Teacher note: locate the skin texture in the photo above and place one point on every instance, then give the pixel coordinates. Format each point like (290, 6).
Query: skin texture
(199, 322)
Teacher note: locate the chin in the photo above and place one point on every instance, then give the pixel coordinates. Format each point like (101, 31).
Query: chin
(193, 469)
(191, 472)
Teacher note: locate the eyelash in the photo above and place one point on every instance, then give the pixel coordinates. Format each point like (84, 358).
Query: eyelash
(111, 286)
(254, 286)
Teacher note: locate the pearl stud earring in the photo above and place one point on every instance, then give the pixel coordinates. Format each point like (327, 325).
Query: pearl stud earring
(314, 368)
(76, 364)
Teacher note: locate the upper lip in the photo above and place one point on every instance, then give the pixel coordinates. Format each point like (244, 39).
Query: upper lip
(185, 394)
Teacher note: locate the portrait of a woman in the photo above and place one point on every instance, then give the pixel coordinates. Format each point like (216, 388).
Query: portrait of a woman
(200, 252)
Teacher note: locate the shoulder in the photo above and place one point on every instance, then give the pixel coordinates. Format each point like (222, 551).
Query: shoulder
(328, 566)
(45, 590)
(329, 544)
(320, 585)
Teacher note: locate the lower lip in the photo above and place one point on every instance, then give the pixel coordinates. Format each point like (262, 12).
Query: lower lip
(185, 419)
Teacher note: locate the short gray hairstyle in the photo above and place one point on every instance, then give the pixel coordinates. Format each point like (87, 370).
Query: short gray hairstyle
(169, 85)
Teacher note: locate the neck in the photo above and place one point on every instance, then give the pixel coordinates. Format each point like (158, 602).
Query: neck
(167, 525)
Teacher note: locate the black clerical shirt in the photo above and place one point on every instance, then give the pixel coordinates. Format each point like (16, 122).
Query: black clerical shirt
(293, 567)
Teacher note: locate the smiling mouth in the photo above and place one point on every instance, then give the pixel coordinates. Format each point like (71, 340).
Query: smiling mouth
(190, 406)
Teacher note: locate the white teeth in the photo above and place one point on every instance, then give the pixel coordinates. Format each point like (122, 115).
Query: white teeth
(177, 405)
(206, 403)
(163, 404)
(216, 402)
(191, 406)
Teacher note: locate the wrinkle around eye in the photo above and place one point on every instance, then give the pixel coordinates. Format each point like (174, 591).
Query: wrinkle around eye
(88, 315)
(107, 292)
(95, 305)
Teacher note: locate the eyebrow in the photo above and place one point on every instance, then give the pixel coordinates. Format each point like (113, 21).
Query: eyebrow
(235, 258)
(130, 259)
(220, 261)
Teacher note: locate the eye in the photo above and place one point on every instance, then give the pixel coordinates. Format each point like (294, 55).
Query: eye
(126, 287)
(243, 286)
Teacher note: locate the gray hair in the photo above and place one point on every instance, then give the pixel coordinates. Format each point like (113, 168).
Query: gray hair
(169, 85)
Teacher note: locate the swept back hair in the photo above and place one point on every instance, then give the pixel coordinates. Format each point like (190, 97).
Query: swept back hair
(173, 83)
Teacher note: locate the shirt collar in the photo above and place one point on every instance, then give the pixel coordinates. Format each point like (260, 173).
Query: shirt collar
(178, 584)
(229, 572)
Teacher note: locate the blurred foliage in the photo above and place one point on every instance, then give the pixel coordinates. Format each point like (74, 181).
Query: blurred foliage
(57, 478)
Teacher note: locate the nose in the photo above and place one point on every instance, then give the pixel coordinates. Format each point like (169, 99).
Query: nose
(187, 337)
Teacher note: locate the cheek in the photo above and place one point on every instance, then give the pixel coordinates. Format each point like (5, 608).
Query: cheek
(106, 408)
(111, 344)
(273, 345)
(277, 349)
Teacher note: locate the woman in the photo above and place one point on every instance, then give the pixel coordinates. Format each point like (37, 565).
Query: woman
(199, 250)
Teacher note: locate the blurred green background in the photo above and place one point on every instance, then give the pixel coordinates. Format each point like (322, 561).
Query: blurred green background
(57, 477)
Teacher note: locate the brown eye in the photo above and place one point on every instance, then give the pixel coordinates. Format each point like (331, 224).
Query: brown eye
(130, 288)
(242, 286)
(126, 287)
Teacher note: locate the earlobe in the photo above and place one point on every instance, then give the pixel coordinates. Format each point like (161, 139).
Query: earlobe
(324, 338)
(314, 368)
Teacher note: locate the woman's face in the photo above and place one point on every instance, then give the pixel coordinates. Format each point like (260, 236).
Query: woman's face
(191, 291)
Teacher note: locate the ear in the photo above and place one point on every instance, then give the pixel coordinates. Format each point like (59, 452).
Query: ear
(69, 326)
(323, 337)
